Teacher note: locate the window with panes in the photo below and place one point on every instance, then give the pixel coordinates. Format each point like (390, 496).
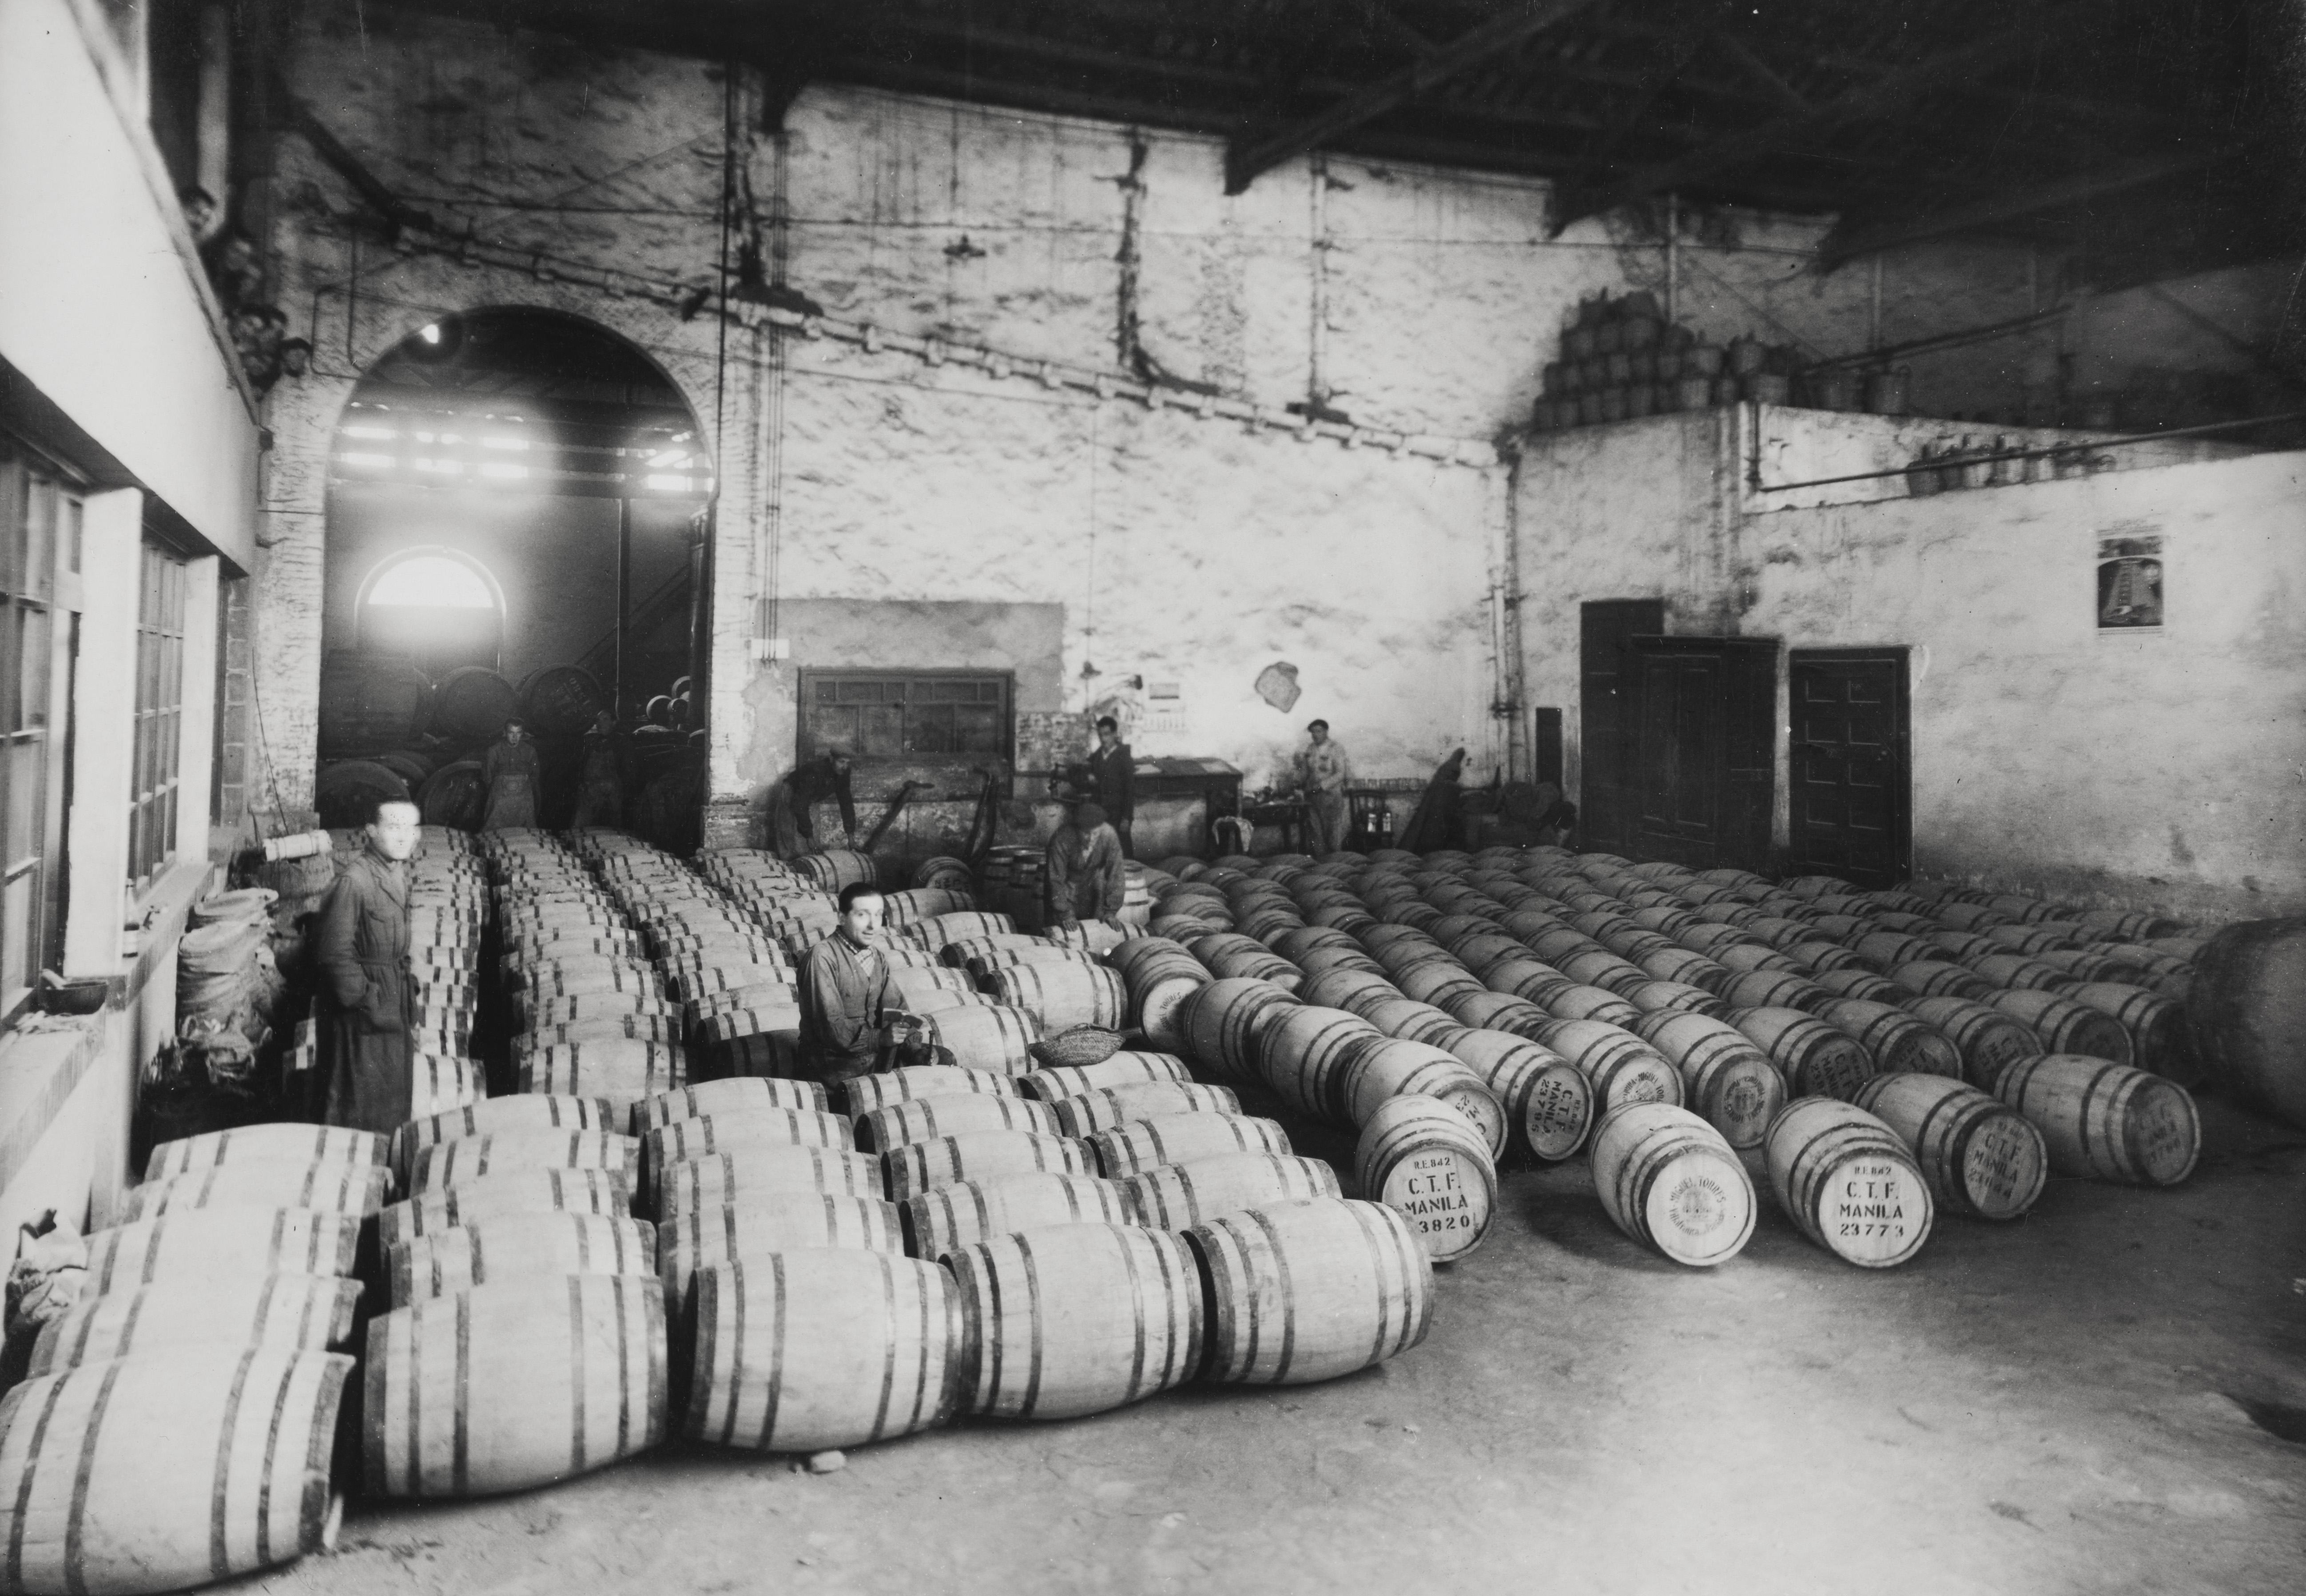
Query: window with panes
(913, 715)
(40, 511)
(160, 713)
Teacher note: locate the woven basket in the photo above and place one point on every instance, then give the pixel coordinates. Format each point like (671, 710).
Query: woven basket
(1077, 1047)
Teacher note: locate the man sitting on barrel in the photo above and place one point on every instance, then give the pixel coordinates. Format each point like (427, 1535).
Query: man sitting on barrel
(849, 1021)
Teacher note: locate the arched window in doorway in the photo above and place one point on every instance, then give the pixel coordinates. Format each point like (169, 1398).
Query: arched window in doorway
(435, 606)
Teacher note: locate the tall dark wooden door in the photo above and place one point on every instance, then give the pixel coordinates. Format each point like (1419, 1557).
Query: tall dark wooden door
(1705, 760)
(1850, 769)
(1607, 628)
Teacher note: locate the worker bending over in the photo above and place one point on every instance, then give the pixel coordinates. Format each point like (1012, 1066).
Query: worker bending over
(849, 1021)
(1323, 771)
(368, 1006)
(792, 822)
(1083, 876)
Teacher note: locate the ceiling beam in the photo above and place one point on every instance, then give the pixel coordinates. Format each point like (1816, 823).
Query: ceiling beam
(1248, 157)
(1872, 101)
(1853, 237)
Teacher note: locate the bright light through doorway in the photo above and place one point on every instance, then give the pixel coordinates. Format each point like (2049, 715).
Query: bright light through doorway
(432, 582)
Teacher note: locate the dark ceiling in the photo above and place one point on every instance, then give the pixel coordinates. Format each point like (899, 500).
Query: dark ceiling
(2137, 137)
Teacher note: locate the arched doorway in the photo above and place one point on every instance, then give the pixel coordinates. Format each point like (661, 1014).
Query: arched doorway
(516, 512)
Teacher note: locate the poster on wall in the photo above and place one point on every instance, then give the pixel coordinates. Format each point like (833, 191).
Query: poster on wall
(2129, 592)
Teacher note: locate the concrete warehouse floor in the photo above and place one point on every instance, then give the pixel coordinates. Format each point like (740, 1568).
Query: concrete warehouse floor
(2089, 1400)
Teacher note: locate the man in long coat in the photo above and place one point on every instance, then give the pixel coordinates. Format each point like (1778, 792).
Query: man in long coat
(1113, 780)
(368, 1004)
(509, 772)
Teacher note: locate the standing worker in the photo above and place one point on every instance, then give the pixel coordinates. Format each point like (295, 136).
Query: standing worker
(849, 1017)
(1323, 771)
(1113, 780)
(368, 1012)
(1082, 877)
(792, 825)
(508, 774)
(600, 784)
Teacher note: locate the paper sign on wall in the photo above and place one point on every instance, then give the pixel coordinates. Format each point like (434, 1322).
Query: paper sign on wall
(2129, 592)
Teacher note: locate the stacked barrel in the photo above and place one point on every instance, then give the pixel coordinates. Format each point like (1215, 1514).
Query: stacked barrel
(590, 1017)
(447, 906)
(178, 1422)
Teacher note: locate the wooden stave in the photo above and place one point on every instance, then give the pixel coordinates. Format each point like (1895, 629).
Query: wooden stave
(1645, 1154)
(2065, 1026)
(1810, 1145)
(1989, 1040)
(259, 1407)
(1059, 997)
(1900, 1042)
(1249, 1279)
(994, 1038)
(282, 1312)
(1092, 1268)
(763, 1383)
(1132, 1148)
(1955, 1132)
(1411, 1139)
(1177, 1197)
(1301, 1054)
(516, 1392)
(2158, 1038)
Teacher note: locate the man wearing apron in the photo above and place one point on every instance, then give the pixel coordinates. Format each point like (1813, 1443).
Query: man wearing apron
(368, 1005)
(508, 772)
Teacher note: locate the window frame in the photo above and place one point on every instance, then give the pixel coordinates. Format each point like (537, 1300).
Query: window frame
(808, 742)
(39, 575)
(157, 760)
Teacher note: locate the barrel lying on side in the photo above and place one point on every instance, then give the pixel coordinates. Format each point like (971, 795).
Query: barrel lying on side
(1424, 1160)
(944, 1221)
(731, 1096)
(516, 1246)
(157, 1473)
(863, 1093)
(1309, 1291)
(199, 1243)
(274, 1184)
(530, 1111)
(1140, 1144)
(978, 1155)
(317, 1146)
(924, 1119)
(829, 1348)
(1176, 1197)
(1668, 1179)
(1069, 1320)
(1849, 1183)
(1549, 1103)
(2105, 1119)
(293, 1312)
(1979, 1156)
(515, 1192)
(506, 1386)
(753, 1226)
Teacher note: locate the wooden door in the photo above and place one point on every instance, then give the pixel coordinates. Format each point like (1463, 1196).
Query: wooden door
(1850, 765)
(1704, 756)
(1607, 628)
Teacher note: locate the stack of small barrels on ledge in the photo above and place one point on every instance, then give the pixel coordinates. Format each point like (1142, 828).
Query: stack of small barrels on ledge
(1963, 1046)
(178, 1422)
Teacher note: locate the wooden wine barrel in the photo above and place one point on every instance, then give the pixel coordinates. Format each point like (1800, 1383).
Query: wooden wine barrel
(1572, 1001)
(1548, 1103)
(472, 705)
(517, 1246)
(2246, 1015)
(166, 1471)
(623, 1072)
(1817, 1060)
(1668, 1179)
(1062, 995)
(1160, 987)
(726, 1179)
(1385, 1067)
(921, 1167)
(942, 1222)
(317, 1146)
(1656, 997)
(1978, 1157)
(1407, 1019)
(278, 1184)
(2105, 1121)
(494, 1115)
(1176, 1197)
(1066, 1319)
(506, 1386)
(1621, 1067)
(994, 1038)
(1988, 1039)
(2158, 1041)
(201, 1243)
(1107, 1106)
(741, 1131)
(515, 1192)
(1900, 1041)
(562, 701)
(926, 1119)
(1230, 957)
(797, 1351)
(1848, 1182)
(835, 868)
(864, 1094)
(1499, 1012)
(1224, 1020)
(1422, 1159)
(2065, 1025)
(1126, 1068)
(1301, 1054)
(1765, 989)
(1864, 985)
(1308, 1291)
(1726, 1080)
(285, 1312)
(1352, 990)
(757, 1224)
(1936, 977)
(470, 1159)
(1132, 1149)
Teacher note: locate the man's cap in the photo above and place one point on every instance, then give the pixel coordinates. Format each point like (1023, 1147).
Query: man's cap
(1317, 725)
(1090, 813)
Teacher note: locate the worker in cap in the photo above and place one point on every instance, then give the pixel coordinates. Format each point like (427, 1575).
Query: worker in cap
(792, 803)
(1323, 773)
(1083, 876)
